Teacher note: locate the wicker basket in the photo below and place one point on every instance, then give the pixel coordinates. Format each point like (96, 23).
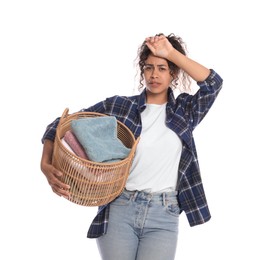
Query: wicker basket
(92, 183)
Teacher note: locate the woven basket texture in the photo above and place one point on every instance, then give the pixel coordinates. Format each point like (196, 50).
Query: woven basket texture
(92, 183)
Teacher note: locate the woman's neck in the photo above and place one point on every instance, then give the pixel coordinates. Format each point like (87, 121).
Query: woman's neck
(156, 99)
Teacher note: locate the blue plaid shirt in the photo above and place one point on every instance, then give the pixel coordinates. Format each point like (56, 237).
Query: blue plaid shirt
(183, 114)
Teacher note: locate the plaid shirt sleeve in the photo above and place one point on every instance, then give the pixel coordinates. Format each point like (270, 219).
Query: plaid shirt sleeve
(50, 131)
(205, 97)
(191, 192)
(196, 107)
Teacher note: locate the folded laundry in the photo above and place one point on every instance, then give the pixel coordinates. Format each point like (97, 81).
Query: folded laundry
(98, 137)
(74, 144)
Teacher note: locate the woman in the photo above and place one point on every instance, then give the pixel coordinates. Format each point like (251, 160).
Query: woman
(142, 223)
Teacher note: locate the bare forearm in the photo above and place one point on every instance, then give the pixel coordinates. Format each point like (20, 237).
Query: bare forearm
(195, 70)
(47, 152)
(51, 173)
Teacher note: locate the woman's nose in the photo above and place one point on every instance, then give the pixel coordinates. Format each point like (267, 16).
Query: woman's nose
(154, 73)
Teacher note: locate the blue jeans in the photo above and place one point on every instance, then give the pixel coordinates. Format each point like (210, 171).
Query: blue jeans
(142, 226)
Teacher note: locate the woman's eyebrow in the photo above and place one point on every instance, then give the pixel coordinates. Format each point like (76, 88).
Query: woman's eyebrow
(159, 65)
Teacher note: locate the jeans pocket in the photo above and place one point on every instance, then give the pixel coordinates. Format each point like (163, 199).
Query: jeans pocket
(173, 208)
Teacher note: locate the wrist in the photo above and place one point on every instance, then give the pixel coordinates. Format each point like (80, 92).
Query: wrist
(176, 57)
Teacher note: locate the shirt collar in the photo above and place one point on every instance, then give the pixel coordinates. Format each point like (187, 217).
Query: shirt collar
(171, 98)
(143, 99)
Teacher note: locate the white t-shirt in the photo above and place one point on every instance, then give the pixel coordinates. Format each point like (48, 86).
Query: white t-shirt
(156, 161)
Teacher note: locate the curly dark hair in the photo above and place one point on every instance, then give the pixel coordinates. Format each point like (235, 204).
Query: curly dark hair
(181, 79)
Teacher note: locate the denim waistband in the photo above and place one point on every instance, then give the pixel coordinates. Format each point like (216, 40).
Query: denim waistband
(155, 196)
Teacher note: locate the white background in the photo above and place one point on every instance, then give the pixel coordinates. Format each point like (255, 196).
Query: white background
(58, 54)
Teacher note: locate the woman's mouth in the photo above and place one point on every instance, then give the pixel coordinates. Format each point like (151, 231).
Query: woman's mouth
(154, 84)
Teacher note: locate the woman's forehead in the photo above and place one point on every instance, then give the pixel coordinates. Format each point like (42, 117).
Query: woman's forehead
(154, 60)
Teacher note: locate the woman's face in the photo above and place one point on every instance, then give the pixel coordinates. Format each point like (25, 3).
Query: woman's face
(157, 79)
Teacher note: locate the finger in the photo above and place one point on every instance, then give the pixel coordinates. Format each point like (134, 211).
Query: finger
(60, 184)
(150, 39)
(150, 46)
(60, 191)
(156, 38)
(55, 181)
(56, 172)
(159, 38)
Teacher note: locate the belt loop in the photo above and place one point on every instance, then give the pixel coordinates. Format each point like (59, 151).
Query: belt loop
(135, 195)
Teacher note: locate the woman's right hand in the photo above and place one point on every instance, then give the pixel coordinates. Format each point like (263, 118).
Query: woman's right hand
(53, 177)
(51, 173)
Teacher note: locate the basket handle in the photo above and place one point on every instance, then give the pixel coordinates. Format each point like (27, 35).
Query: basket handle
(64, 115)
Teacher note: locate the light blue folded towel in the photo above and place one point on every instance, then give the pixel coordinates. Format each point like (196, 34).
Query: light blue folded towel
(98, 136)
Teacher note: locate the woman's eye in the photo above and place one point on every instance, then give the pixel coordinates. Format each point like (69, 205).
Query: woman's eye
(148, 68)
